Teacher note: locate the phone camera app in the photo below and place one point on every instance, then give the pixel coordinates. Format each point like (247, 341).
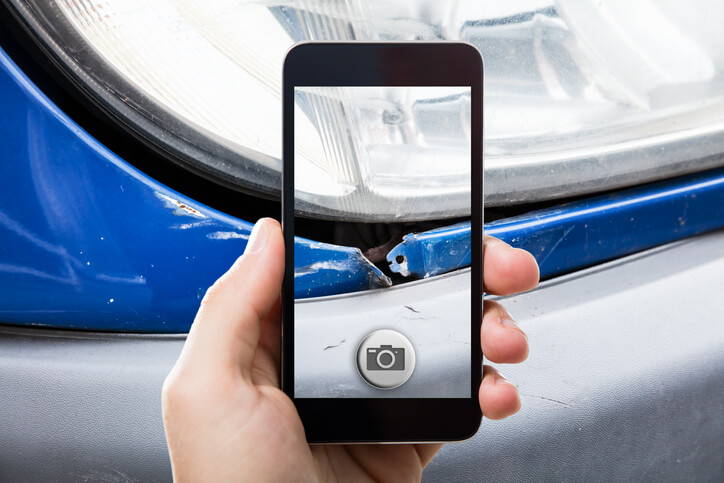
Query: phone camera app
(386, 358)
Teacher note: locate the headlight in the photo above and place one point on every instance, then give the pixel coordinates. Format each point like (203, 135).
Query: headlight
(580, 96)
(382, 153)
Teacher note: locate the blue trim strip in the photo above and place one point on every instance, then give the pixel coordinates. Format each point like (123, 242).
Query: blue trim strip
(323, 269)
(433, 252)
(575, 235)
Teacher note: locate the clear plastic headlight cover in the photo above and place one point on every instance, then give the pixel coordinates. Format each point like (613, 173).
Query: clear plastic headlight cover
(580, 96)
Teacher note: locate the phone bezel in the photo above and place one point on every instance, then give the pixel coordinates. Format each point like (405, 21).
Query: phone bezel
(342, 420)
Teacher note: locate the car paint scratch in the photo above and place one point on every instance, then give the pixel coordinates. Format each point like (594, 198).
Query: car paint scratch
(179, 208)
(556, 401)
(334, 345)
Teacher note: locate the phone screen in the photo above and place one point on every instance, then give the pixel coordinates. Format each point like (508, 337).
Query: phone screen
(394, 161)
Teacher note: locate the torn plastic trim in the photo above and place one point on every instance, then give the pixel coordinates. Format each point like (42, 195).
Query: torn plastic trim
(433, 252)
(576, 235)
(325, 269)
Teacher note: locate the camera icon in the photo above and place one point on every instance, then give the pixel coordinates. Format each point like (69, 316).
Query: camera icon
(386, 358)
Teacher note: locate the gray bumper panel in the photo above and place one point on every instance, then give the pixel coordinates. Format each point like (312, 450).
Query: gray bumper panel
(625, 381)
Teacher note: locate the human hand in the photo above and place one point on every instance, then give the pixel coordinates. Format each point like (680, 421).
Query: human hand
(225, 416)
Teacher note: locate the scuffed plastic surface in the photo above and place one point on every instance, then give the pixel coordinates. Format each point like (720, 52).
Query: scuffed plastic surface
(575, 235)
(324, 269)
(433, 252)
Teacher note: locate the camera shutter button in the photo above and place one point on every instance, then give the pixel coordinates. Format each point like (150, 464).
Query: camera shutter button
(385, 359)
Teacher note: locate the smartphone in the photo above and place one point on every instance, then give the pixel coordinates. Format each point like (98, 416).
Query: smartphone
(386, 138)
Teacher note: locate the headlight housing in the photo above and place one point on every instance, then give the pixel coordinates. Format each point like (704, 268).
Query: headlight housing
(580, 96)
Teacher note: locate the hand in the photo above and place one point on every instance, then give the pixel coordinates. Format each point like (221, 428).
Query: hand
(225, 416)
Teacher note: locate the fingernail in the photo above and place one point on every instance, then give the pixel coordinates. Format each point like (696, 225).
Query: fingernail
(508, 322)
(258, 238)
(502, 380)
(492, 241)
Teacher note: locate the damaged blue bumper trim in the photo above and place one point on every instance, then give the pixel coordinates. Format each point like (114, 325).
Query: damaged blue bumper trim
(576, 235)
(433, 252)
(323, 269)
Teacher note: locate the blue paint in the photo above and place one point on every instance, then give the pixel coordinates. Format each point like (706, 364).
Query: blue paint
(575, 235)
(433, 252)
(572, 236)
(87, 241)
(323, 269)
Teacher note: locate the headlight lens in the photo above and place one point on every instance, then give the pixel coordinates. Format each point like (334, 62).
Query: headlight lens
(580, 96)
(382, 152)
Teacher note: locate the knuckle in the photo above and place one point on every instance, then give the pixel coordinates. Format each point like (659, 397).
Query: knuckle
(216, 293)
(213, 292)
(177, 392)
(190, 391)
(170, 390)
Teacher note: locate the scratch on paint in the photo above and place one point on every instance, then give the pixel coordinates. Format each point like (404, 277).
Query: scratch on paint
(555, 245)
(335, 345)
(548, 399)
(179, 209)
(227, 235)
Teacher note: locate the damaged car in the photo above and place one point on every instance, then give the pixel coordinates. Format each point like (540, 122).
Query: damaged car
(141, 140)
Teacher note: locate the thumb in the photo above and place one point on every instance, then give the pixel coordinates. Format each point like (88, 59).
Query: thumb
(225, 333)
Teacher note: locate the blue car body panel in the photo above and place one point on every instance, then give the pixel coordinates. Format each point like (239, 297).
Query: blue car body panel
(88, 241)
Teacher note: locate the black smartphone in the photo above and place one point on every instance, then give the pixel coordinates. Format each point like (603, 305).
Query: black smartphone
(383, 345)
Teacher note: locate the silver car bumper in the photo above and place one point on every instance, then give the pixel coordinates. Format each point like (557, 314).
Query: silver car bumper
(625, 381)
